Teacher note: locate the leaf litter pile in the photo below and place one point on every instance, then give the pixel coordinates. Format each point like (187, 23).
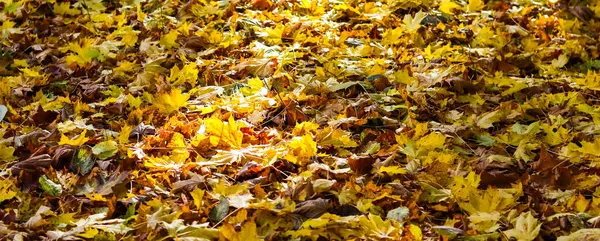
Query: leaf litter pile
(299, 120)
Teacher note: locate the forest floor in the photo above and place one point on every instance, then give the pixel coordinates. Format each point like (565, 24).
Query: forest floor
(299, 120)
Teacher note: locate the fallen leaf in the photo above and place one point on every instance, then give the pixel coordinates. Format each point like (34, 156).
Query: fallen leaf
(80, 140)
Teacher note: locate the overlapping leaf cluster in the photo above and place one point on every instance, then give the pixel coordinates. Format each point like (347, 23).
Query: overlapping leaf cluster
(299, 120)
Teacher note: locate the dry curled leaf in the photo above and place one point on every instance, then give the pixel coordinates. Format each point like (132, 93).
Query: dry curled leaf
(312, 208)
(33, 163)
(582, 12)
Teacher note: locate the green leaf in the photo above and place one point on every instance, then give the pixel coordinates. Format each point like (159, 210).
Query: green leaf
(105, 149)
(219, 211)
(342, 86)
(399, 214)
(3, 111)
(485, 140)
(432, 194)
(450, 232)
(50, 187)
(82, 162)
(532, 128)
(11, 7)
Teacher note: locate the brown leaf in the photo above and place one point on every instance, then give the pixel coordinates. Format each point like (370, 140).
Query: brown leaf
(106, 186)
(142, 130)
(31, 138)
(261, 4)
(545, 162)
(347, 210)
(33, 163)
(290, 30)
(42, 117)
(582, 12)
(196, 43)
(63, 152)
(189, 184)
(380, 82)
(550, 171)
(250, 170)
(361, 164)
(312, 208)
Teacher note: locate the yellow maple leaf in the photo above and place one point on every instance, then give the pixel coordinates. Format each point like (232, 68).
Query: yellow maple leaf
(168, 103)
(439, 52)
(64, 140)
(247, 232)
(416, 232)
(20, 63)
(304, 127)
(32, 73)
(84, 52)
(488, 119)
(555, 134)
(447, 6)
(392, 170)
(255, 85)
(431, 141)
(484, 221)
(197, 195)
(335, 137)
(141, 16)
(168, 40)
(376, 228)
(526, 228)
(162, 163)
(6, 29)
(213, 36)
(302, 147)
(591, 148)
(124, 68)
(134, 102)
(591, 81)
(65, 9)
(7, 190)
(89, 233)
(273, 35)
(420, 129)
(463, 186)
(224, 133)
(6, 153)
(187, 74)
(179, 152)
(124, 134)
(392, 36)
(475, 6)
(95, 197)
(442, 157)
(492, 199)
(578, 203)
